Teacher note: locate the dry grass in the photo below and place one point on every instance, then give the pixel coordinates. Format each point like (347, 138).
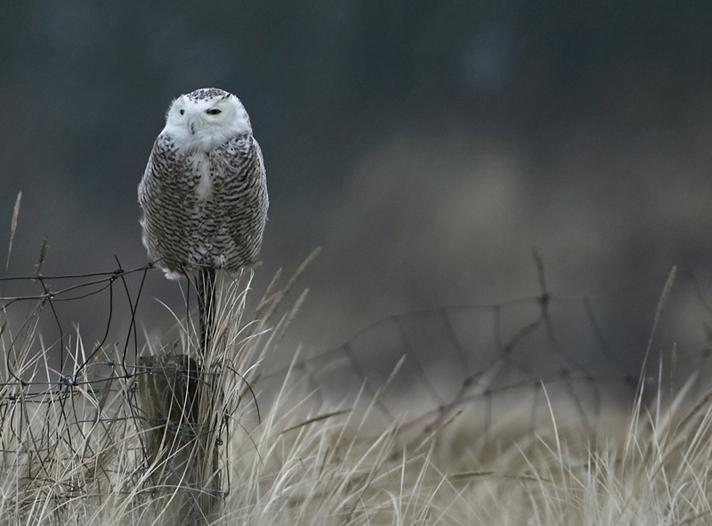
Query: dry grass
(181, 441)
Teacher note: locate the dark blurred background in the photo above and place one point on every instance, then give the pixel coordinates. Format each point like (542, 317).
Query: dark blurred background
(426, 146)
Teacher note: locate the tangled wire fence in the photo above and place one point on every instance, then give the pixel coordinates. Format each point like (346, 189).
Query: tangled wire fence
(589, 351)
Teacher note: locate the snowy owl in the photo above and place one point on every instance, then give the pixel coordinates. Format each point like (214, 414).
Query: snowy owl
(204, 191)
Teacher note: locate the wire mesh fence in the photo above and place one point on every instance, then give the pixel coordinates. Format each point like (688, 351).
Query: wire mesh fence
(598, 351)
(123, 415)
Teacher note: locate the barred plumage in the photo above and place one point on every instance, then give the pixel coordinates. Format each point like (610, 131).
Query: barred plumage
(204, 192)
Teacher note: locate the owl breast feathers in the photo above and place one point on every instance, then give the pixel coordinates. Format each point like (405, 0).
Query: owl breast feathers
(204, 206)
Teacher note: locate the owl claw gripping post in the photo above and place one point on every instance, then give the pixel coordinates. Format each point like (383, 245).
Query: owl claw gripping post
(204, 191)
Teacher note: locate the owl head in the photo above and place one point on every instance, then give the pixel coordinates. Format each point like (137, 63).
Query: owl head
(206, 118)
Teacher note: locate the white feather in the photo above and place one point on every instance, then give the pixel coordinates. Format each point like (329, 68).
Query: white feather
(201, 165)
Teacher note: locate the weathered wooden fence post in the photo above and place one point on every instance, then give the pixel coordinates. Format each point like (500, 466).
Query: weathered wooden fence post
(180, 408)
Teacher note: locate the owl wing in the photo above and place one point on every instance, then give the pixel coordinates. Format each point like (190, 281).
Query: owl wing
(163, 201)
(161, 161)
(246, 196)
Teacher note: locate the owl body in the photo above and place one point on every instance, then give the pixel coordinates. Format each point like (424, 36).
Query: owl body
(204, 193)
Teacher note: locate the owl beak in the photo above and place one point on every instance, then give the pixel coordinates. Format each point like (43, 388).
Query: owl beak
(192, 127)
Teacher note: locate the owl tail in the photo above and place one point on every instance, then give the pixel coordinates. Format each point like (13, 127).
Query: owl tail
(205, 284)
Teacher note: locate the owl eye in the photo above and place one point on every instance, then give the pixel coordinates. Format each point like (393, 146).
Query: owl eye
(182, 112)
(213, 111)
